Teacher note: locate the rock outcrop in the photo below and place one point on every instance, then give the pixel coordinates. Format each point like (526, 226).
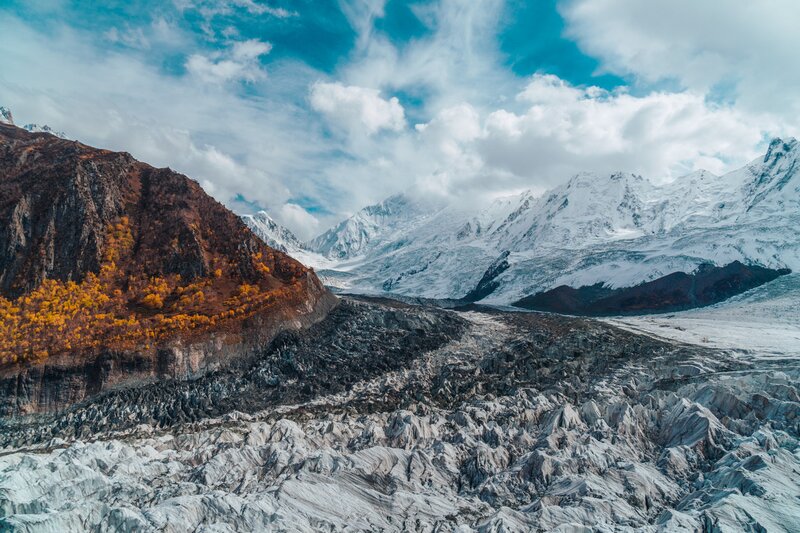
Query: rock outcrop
(113, 272)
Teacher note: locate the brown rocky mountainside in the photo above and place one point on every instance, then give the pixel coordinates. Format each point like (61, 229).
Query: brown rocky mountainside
(108, 261)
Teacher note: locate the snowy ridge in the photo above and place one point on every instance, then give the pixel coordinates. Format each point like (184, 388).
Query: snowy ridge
(6, 117)
(619, 229)
(282, 239)
(35, 128)
(370, 227)
(272, 233)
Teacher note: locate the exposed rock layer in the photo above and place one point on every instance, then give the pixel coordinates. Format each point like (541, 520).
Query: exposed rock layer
(61, 381)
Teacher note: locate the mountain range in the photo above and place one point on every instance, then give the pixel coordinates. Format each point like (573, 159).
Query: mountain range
(618, 230)
(165, 368)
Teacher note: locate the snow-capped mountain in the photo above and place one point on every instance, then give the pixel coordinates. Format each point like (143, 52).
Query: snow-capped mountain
(371, 227)
(281, 238)
(619, 229)
(272, 233)
(35, 128)
(6, 117)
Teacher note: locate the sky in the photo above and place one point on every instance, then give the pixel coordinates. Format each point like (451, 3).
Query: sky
(314, 109)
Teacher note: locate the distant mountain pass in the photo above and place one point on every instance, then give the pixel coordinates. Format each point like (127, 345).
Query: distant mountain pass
(674, 292)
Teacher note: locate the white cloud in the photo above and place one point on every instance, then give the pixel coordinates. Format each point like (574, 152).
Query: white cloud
(258, 9)
(482, 130)
(362, 15)
(133, 37)
(239, 63)
(304, 225)
(212, 8)
(459, 61)
(357, 108)
(566, 129)
(230, 144)
(250, 49)
(748, 48)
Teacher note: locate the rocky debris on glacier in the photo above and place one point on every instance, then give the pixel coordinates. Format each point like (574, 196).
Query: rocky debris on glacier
(492, 422)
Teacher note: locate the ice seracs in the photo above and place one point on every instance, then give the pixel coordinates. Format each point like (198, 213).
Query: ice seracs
(508, 424)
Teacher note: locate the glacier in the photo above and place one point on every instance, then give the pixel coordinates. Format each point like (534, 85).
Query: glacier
(510, 422)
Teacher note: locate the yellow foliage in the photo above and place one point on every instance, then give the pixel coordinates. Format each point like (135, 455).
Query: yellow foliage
(153, 301)
(99, 311)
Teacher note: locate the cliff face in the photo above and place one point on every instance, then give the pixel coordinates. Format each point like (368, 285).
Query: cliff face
(58, 198)
(64, 380)
(112, 271)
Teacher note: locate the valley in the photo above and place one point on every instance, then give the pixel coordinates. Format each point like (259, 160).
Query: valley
(373, 266)
(473, 420)
(169, 366)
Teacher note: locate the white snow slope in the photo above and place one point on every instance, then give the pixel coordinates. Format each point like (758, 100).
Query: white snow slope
(282, 239)
(619, 229)
(272, 233)
(764, 322)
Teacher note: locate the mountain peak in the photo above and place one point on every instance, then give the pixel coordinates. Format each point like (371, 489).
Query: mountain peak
(355, 235)
(272, 233)
(5, 116)
(35, 128)
(778, 148)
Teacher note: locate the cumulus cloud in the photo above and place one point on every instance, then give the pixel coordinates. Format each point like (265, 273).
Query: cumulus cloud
(565, 129)
(478, 130)
(746, 49)
(239, 63)
(550, 131)
(357, 108)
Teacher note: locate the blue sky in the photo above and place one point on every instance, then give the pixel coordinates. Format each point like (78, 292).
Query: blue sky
(313, 109)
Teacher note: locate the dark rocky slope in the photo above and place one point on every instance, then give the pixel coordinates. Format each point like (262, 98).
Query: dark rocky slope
(169, 283)
(58, 198)
(674, 292)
